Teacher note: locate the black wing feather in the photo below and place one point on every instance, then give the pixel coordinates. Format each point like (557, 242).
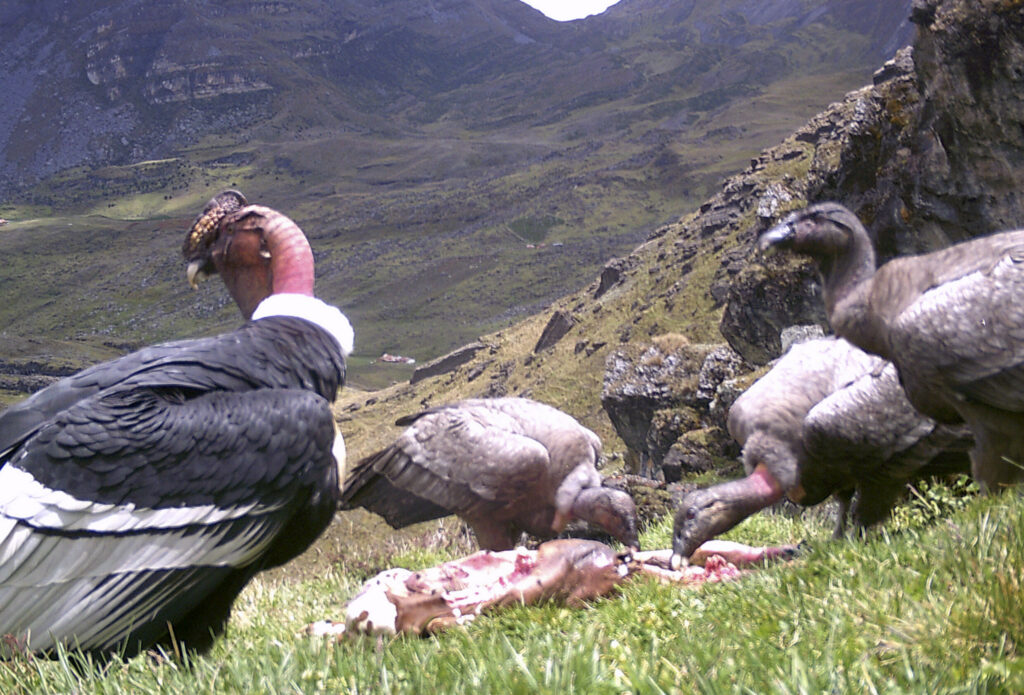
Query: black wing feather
(290, 352)
(181, 473)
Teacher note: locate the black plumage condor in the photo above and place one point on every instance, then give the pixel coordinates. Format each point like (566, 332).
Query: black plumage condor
(139, 496)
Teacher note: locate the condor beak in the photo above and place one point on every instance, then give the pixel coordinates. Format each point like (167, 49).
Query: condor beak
(195, 274)
(776, 236)
(678, 562)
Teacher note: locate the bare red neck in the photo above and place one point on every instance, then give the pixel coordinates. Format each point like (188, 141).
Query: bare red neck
(291, 258)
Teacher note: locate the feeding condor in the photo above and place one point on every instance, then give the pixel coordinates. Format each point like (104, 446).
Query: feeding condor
(827, 419)
(139, 496)
(504, 465)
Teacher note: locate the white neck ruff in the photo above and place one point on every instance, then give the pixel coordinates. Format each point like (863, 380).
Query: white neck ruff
(310, 309)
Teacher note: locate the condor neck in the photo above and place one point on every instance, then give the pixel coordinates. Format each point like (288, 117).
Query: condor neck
(310, 309)
(748, 495)
(291, 258)
(847, 294)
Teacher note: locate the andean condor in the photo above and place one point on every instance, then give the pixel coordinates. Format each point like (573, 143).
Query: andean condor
(827, 419)
(139, 496)
(504, 465)
(951, 321)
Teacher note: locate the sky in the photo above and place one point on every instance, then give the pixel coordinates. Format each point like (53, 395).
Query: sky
(563, 10)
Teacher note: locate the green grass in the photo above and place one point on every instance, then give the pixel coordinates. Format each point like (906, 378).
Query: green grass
(936, 607)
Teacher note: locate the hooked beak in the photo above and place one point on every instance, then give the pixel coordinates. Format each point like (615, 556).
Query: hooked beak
(776, 236)
(195, 274)
(678, 562)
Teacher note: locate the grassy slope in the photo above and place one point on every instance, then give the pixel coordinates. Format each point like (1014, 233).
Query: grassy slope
(930, 608)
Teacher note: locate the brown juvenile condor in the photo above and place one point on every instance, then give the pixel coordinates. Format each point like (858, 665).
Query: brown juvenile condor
(138, 497)
(828, 418)
(504, 465)
(952, 322)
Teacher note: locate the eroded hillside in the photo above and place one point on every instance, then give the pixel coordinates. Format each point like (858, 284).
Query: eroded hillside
(458, 165)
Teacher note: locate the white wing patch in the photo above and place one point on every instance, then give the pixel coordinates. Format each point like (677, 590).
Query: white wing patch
(87, 574)
(24, 498)
(93, 590)
(340, 455)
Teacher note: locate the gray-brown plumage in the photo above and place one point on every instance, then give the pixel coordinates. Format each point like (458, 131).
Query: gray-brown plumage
(504, 465)
(828, 418)
(951, 321)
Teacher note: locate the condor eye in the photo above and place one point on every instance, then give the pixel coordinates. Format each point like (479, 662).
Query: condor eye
(691, 513)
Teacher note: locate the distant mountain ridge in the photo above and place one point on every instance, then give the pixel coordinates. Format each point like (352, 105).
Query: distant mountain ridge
(114, 81)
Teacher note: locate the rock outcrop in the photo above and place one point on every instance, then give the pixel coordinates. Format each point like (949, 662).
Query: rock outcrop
(663, 400)
(557, 327)
(926, 156)
(447, 363)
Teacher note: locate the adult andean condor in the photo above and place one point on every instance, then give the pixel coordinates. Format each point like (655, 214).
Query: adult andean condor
(951, 321)
(504, 465)
(138, 497)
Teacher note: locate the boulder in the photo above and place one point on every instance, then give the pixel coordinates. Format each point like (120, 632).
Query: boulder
(658, 393)
(447, 363)
(558, 325)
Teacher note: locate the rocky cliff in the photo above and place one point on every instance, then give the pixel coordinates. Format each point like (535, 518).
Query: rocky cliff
(930, 154)
(927, 155)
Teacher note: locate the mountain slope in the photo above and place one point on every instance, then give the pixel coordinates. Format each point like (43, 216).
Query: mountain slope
(922, 154)
(422, 146)
(122, 80)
